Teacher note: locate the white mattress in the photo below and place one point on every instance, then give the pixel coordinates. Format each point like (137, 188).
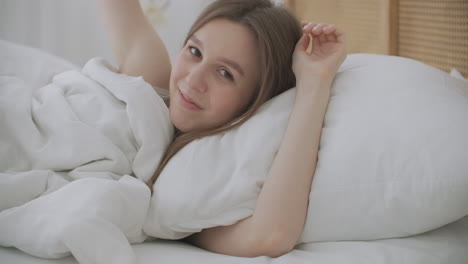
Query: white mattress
(448, 244)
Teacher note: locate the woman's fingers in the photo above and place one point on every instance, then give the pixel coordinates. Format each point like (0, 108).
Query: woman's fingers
(303, 42)
(329, 29)
(307, 27)
(340, 35)
(318, 29)
(330, 32)
(322, 32)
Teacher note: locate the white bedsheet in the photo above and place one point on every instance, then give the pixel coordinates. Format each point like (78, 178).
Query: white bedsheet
(69, 142)
(446, 245)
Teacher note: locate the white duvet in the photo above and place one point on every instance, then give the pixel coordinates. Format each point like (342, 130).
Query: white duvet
(101, 131)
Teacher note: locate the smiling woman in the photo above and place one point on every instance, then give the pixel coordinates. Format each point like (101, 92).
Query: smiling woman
(237, 55)
(208, 85)
(91, 161)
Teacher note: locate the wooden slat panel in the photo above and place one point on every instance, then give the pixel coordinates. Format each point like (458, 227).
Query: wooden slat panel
(435, 32)
(366, 22)
(432, 31)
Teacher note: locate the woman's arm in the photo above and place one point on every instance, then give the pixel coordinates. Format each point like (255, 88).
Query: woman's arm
(138, 49)
(281, 209)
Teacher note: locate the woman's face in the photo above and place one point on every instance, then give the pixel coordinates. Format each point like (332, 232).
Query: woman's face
(214, 76)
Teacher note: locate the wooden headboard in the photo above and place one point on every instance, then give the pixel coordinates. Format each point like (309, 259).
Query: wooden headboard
(431, 31)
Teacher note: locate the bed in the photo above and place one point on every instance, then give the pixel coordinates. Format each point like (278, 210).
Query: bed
(423, 223)
(445, 245)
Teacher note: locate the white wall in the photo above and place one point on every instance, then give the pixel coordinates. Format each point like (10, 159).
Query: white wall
(71, 28)
(67, 28)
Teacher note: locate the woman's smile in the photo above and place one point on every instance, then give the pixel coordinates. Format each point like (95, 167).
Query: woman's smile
(187, 102)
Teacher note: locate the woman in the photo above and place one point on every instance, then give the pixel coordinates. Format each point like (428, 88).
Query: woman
(237, 55)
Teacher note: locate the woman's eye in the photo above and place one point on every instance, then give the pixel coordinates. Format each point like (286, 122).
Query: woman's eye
(195, 52)
(226, 74)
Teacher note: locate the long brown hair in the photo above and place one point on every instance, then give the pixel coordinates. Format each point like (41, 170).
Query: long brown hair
(276, 31)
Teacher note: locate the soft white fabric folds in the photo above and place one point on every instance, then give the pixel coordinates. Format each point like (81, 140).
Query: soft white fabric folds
(67, 149)
(93, 123)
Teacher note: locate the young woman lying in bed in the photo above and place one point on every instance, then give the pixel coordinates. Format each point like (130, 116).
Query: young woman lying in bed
(237, 55)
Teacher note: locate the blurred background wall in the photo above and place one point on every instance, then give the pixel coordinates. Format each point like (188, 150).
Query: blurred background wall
(71, 29)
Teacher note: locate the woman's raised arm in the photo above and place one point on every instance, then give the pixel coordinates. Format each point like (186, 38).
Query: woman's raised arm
(138, 49)
(280, 213)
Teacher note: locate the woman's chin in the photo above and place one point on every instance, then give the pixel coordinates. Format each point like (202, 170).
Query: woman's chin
(181, 125)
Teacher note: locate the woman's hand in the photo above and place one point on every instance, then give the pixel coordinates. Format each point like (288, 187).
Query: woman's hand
(327, 54)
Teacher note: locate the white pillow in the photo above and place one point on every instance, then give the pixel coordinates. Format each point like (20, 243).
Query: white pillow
(394, 152)
(393, 159)
(216, 180)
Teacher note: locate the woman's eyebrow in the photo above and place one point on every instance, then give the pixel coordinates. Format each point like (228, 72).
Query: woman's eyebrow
(227, 61)
(233, 64)
(196, 40)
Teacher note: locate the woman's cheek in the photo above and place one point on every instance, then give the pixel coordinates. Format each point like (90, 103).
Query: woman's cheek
(229, 103)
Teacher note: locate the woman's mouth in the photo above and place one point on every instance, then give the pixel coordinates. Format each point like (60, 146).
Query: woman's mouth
(187, 102)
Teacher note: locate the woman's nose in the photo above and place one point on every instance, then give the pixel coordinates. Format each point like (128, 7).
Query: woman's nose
(197, 78)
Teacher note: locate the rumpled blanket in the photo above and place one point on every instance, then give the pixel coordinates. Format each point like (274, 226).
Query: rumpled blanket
(74, 157)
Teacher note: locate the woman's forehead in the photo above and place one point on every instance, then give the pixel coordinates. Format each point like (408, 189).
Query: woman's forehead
(230, 40)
